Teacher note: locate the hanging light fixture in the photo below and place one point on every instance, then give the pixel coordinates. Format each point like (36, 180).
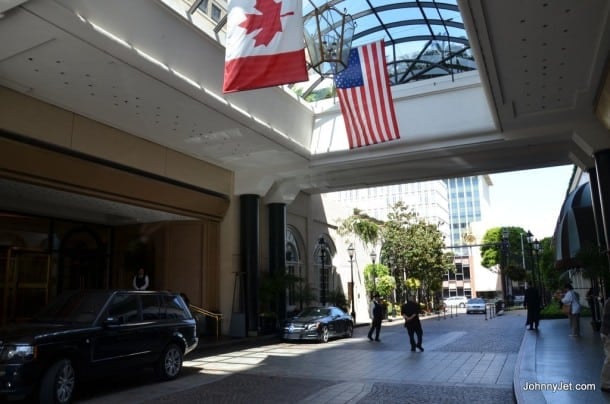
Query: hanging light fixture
(328, 37)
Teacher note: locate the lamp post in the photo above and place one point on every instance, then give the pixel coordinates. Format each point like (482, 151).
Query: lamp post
(393, 270)
(373, 258)
(504, 246)
(323, 277)
(530, 239)
(540, 286)
(350, 252)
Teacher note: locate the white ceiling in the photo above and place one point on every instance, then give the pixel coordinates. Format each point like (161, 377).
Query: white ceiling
(541, 63)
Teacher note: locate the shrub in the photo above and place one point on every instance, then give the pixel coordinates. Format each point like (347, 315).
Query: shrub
(552, 310)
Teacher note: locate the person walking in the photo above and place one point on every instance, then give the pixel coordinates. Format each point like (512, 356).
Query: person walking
(571, 297)
(605, 335)
(376, 314)
(410, 312)
(140, 280)
(531, 302)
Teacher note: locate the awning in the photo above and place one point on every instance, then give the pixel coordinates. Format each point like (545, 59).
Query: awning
(576, 224)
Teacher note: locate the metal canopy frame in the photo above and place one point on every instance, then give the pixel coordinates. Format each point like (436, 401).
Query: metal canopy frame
(424, 39)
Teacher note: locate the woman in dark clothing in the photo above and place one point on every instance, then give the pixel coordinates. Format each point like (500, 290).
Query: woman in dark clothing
(532, 303)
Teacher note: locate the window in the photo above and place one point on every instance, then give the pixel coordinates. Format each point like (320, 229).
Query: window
(216, 13)
(293, 268)
(150, 308)
(124, 307)
(172, 309)
(203, 6)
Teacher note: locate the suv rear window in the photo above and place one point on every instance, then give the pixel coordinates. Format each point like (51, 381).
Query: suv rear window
(173, 309)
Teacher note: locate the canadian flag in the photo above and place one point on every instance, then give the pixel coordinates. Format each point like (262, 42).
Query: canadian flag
(264, 44)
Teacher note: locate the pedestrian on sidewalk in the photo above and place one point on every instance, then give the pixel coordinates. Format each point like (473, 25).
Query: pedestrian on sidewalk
(410, 312)
(571, 297)
(605, 335)
(376, 314)
(531, 302)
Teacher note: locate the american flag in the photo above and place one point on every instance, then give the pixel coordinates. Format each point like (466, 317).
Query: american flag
(365, 97)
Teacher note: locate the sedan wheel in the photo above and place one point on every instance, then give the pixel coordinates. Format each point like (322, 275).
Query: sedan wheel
(324, 334)
(57, 385)
(170, 363)
(350, 331)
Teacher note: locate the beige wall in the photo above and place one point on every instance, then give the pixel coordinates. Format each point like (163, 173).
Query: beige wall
(38, 120)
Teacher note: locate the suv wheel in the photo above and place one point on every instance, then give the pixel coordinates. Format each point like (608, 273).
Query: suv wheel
(57, 385)
(170, 363)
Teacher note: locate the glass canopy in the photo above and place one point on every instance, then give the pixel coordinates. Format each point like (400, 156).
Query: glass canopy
(424, 39)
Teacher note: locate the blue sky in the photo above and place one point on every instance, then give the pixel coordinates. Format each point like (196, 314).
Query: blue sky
(530, 199)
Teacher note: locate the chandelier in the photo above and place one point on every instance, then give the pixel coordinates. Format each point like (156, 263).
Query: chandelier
(328, 37)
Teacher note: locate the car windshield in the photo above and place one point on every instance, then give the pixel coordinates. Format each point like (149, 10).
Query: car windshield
(476, 301)
(314, 312)
(73, 307)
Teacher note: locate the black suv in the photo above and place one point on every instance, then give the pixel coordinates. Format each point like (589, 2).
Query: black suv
(87, 334)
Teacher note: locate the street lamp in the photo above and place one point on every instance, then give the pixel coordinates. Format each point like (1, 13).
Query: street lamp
(373, 258)
(393, 270)
(536, 250)
(323, 277)
(530, 240)
(350, 252)
(505, 247)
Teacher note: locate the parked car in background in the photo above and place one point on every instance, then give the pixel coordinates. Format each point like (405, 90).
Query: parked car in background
(88, 334)
(475, 305)
(319, 324)
(518, 300)
(459, 301)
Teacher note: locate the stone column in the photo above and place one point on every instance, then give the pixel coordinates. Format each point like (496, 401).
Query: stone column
(277, 250)
(249, 257)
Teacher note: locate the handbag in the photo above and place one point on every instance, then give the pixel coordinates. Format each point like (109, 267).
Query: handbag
(566, 309)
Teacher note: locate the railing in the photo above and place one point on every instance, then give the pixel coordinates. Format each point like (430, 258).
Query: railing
(198, 311)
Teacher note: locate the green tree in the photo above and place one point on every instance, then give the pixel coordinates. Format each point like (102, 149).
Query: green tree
(394, 234)
(377, 279)
(504, 254)
(427, 260)
(410, 247)
(548, 270)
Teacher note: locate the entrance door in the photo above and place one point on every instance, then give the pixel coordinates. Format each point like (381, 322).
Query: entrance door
(24, 277)
(83, 261)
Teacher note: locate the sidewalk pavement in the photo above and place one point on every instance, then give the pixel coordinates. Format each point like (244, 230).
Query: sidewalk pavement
(553, 367)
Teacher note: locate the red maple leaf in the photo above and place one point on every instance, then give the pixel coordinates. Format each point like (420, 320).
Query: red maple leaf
(268, 21)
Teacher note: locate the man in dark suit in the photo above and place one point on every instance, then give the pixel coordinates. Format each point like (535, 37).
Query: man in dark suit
(532, 303)
(410, 312)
